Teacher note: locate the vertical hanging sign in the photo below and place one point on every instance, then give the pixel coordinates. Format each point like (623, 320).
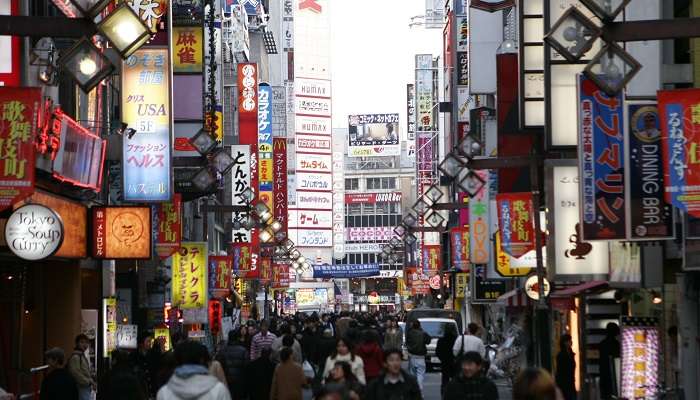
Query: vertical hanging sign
(478, 223)
(146, 108)
(515, 216)
(240, 175)
(169, 227)
(190, 275)
(19, 108)
(602, 163)
(459, 240)
(279, 159)
(220, 271)
(265, 163)
(248, 103)
(432, 259)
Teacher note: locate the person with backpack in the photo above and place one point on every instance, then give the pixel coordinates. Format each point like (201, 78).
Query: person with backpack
(79, 367)
(416, 344)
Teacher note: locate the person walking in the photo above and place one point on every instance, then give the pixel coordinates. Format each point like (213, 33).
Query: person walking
(394, 383)
(343, 352)
(416, 344)
(191, 379)
(469, 342)
(121, 382)
(259, 376)
(469, 383)
(79, 367)
(234, 360)
(288, 380)
(443, 351)
(371, 354)
(393, 338)
(261, 340)
(286, 340)
(341, 380)
(58, 384)
(609, 349)
(566, 369)
(534, 383)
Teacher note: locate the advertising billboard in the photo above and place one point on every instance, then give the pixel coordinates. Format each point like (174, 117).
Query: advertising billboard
(313, 144)
(248, 103)
(321, 163)
(121, 232)
(190, 276)
(169, 216)
(145, 94)
(188, 49)
(311, 219)
(240, 175)
(311, 200)
(373, 135)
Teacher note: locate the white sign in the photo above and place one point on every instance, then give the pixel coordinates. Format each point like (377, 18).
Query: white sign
(240, 175)
(313, 125)
(532, 288)
(315, 201)
(378, 233)
(310, 219)
(127, 336)
(314, 238)
(34, 232)
(312, 87)
(338, 205)
(372, 151)
(463, 104)
(363, 247)
(313, 106)
(249, 79)
(314, 163)
(569, 255)
(313, 144)
(307, 181)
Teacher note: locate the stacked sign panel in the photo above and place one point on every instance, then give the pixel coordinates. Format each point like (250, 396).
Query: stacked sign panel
(373, 135)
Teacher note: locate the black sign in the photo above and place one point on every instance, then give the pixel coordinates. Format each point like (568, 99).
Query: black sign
(650, 216)
(486, 290)
(463, 69)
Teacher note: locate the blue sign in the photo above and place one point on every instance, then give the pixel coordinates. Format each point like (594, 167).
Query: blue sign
(251, 6)
(265, 151)
(327, 271)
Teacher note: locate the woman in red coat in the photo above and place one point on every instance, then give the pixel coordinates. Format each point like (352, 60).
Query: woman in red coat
(371, 353)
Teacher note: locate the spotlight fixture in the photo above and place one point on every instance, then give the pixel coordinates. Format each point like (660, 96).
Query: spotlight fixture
(222, 161)
(612, 68)
(124, 30)
(573, 35)
(434, 193)
(203, 179)
(451, 165)
(203, 142)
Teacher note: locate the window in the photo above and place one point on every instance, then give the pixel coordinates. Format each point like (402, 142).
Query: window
(381, 183)
(352, 184)
(395, 208)
(354, 209)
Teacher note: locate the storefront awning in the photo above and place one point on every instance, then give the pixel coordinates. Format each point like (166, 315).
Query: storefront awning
(514, 298)
(579, 289)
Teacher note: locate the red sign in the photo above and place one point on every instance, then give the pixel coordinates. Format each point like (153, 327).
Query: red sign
(215, 312)
(432, 259)
(372, 198)
(169, 227)
(19, 108)
(419, 282)
(310, 5)
(220, 271)
(254, 238)
(515, 223)
(279, 185)
(463, 212)
(280, 276)
(242, 259)
(248, 103)
(265, 270)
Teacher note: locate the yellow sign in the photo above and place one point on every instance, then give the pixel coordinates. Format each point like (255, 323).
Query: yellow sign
(189, 284)
(461, 280)
(164, 335)
(188, 49)
(109, 333)
(503, 259)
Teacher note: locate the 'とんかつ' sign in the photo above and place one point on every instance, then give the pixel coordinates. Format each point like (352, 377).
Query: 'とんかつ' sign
(190, 273)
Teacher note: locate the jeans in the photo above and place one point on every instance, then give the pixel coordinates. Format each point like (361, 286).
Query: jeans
(416, 367)
(85, 392)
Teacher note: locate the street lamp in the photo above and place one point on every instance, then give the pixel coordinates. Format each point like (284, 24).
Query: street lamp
(435, 219)
(125, 30)
(470, 182)
(573, 35)
(90, 8)
(451, 165)
(612, 68)
(606, 10)
(222, 161)
(421, 206)
(469, 147)
(86, 64)
(410, 220)
(203, 179)
(434, 193)
(203, 142)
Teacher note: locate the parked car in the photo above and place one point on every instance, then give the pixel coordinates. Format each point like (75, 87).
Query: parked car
(435, 328)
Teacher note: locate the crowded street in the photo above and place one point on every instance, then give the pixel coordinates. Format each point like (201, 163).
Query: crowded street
(349, 200)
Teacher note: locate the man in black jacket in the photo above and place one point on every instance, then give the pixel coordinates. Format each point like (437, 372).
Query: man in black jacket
(416, 344)
(58, 383)
(234, 359)
(394, 383)
(470, 383)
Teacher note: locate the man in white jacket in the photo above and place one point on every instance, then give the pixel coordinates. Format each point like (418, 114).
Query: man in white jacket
(469, 342)
(191, 379)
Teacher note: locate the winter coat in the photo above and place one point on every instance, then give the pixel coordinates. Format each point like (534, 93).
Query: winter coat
(79, 368)
(393, 339)
(416, 342)
(406, 389)
(373, 358)
(59, 385)
(477, 388)
(288, 382)
(234, 359)
(277, 348)
(191, 386)
(356, 365)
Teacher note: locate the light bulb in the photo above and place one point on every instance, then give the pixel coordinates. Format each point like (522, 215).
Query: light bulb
(126, 31)
(87, 66)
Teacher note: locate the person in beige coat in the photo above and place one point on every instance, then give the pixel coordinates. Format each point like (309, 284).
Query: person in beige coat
(79, 368)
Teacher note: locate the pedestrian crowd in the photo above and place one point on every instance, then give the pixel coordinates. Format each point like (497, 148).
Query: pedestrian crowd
(348, 357)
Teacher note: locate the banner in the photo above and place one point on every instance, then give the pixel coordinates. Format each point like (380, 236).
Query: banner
(121, 232)
(242, 259)
(338, 203)
(602, 163)
(650, 216)
(459, 240)
(162, 335)
(279, 159)
(220, 271)
(215, 312)
(327, 271)
(109, 321)
(680, 138)
(515, 223)
(479, 223)
(280, 276)
(190, 275)
(265, 163)
(248, 103)
(265, 276)
(411, 111)
(240, 175)
(641, 352)
(463, 69)
(169, 227)
(431, 259)
(19, 108)
(461, 281)
(187, 49)
(145, 93)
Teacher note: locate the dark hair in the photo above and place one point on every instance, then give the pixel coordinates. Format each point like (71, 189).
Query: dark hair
(191, 352)
(234, 335)
(473, 328)
(451, 330)
(286, 354)
(288, 340)
(57, 354)
(80, 337)
(471, 356)
(534, 384)
(389, 352)
(612, 329)
(370, 336)
(347, 371)
(349, 345)
(415, 324)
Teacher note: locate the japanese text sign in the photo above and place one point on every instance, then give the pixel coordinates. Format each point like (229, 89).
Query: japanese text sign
(109, 323)
(680, 138)
(215, 314)
(127, 336)
(459, 240)
(280, 275)
(121, 232)
(220, 272)
(248, 103)
(187, 49)
(189, 275)
(240, 176)
(515, 223)
(327, 271)
(479, 223)
(19, 108)
(279, 159)
(243, 259)
(602, 159)
(146, 108)
(169, 227)
(265, 162)
(431, 259)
